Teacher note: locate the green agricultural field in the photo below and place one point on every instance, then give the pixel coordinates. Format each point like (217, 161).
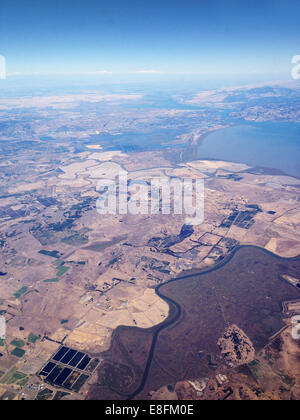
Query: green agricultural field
(21, 292)
(62, 270)
(18, 343)
(32, 338)
(18, 352)
(12, 377)
(53, 254)
(58, 262)
(23, 381)
(54, 280)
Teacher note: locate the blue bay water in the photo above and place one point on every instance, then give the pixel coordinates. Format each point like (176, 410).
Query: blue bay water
(268, 145)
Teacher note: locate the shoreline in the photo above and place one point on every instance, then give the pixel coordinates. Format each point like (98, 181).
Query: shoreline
(176, 311)
(266, 170)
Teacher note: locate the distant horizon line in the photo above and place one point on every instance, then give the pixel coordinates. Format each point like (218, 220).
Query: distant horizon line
(147, 72)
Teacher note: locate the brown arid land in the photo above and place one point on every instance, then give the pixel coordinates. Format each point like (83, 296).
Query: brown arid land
(79, 290)
(74, 285)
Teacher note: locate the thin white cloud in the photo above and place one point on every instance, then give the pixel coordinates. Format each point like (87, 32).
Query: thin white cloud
(148, 71)
(103, 72)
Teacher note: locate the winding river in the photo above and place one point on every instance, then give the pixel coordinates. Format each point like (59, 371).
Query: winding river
(202, 304)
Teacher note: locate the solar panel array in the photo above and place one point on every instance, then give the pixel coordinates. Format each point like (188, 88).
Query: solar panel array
(68, 368)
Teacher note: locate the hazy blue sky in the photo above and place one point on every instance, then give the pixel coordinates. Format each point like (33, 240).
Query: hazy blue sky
(170, 36)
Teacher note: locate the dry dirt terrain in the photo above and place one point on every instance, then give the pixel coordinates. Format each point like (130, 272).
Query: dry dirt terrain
(70, 277)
